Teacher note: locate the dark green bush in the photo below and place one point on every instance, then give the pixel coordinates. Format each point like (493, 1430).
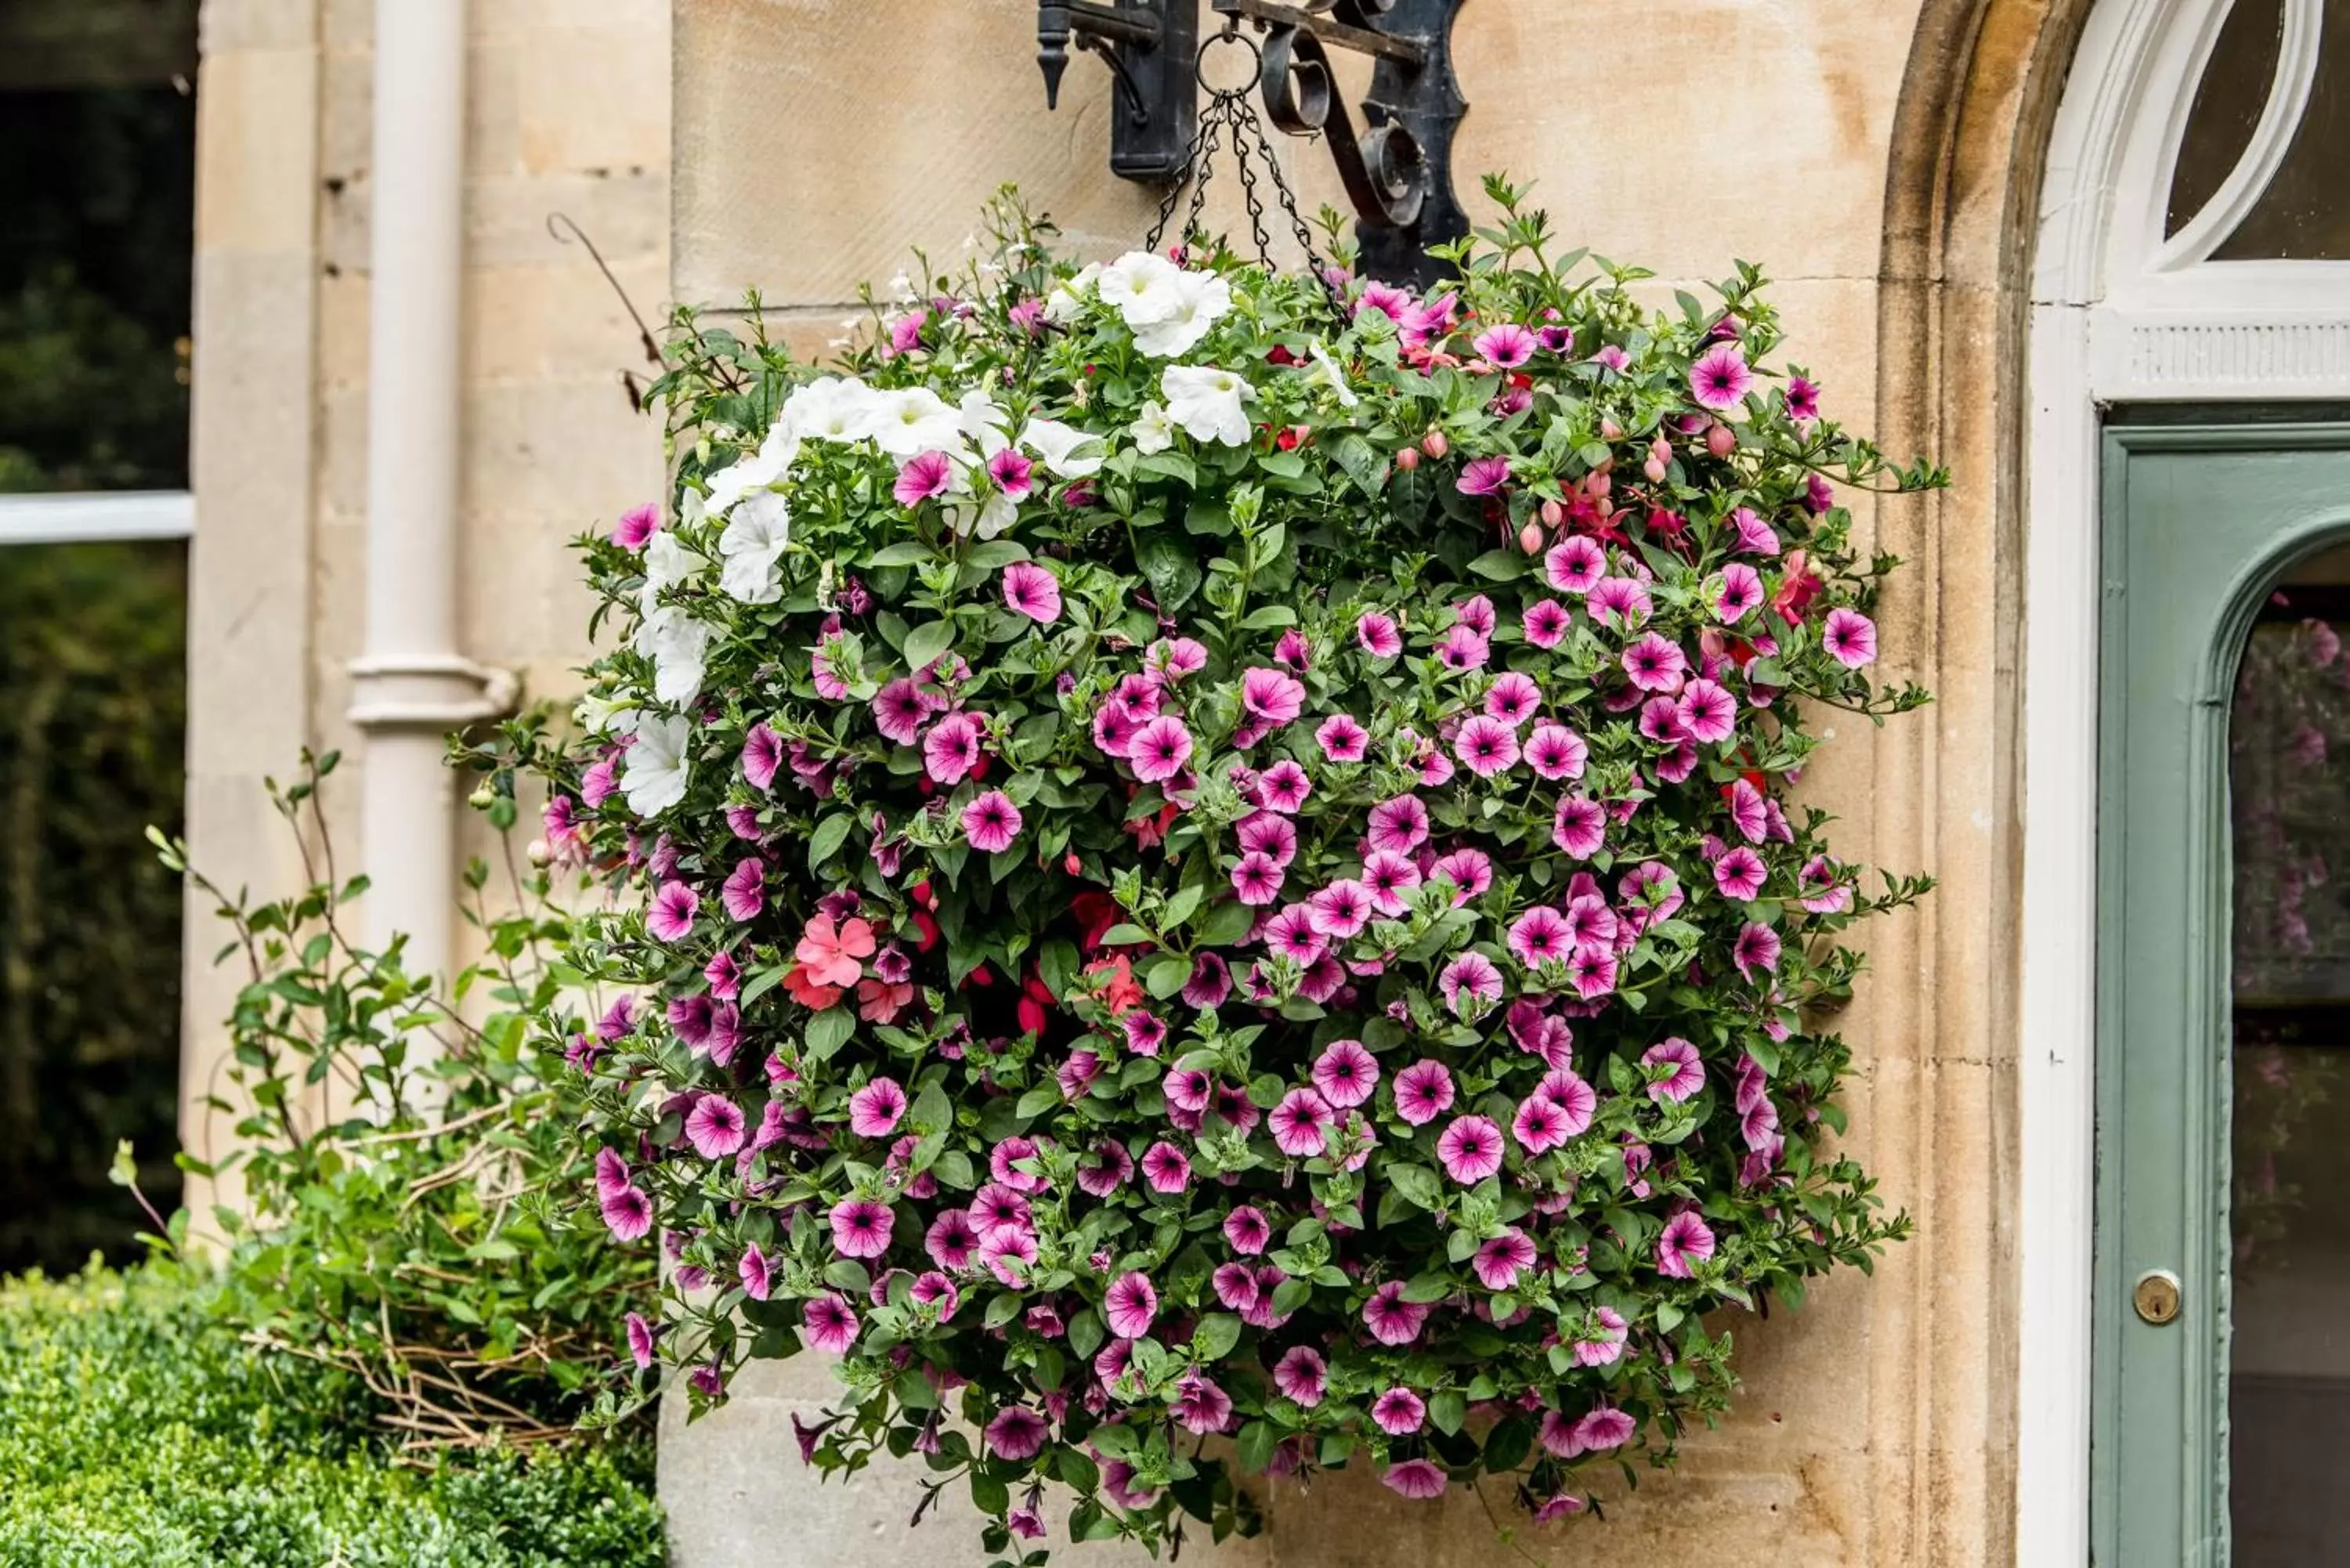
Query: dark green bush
(134, 1430)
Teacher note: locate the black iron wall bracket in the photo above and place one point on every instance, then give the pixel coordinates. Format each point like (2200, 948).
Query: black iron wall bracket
(1397, 171)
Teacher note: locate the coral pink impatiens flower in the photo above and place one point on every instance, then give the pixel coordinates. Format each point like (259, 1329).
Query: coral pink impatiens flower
(832, 953)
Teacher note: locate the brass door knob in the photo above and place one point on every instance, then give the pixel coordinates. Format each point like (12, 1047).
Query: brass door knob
(2156, 1296)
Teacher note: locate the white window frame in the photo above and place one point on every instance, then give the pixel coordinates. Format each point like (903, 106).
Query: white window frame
(88, 517)
(2119, 313)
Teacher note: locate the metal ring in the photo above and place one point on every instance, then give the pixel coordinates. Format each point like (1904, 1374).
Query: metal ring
(1230, 35)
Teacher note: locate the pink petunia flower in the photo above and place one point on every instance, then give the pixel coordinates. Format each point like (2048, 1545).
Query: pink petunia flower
(1398, 1412)
(1340, 910)
(1345, 1073)
(1555, 751)
(627, 1214)
(1247, 1229)
(1486, 746)
(1341, 738)
(716, 1127)
(991, 822)
(1604, 1428)
(1165, 1168)
(1298, 1124)
(952, 1239)
(1387, 878)
(1747, 813)
(1740, 592)
(1470, 1150)
(1033, 591)
(1574, 564)
(829, 1324)
(1014, 475)
(875, 1110)
(636, 527)
(1546, 623)
(671, 918)
(1591, 970)
(1686, 1240)
(1707, 712)
(1655, 663)
(1391, 1319)
(1423, 1092)
(1294, 935)
(741, 894)
(1377, 635)
(860, 1227)
(1016, 1433)
(1483, 476)
(1540, 937)
(1850, 637)
(1160, 748)
(640, 1340)
(1470, 871)
(1739, 874)
(1504, 347)
(1539, 1126)
(1284, 786)
(1576, 1099)
(1398, 827)
(1757, 947)
(1720, 378)
(1301, 1374)
(1687, 1073)
(1512, 698)
(951, 748)
(1257, 878)
(1129, 1306)
(1423, 1480)
(1470, 983)
(1498, 1263)
(921, 477)
(752, 1271)
(1272, 696)
(762, 753)
(1603, 1344)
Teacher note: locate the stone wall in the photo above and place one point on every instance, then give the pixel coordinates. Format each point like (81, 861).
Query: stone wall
(1876, 160)
(568, 113)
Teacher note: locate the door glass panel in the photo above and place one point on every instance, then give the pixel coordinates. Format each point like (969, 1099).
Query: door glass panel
(2228, 103)
(2304, 213)
(2289, 1378)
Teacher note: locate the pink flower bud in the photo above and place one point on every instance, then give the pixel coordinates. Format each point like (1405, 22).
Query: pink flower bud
(1655, 469)
(1434, 444)
(1407, 458)
(1529, 537)
(1071, 864)
(1721, 441)
(1554, 516)
(1610, 430)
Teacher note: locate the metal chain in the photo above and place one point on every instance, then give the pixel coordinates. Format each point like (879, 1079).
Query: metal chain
(1227, 109)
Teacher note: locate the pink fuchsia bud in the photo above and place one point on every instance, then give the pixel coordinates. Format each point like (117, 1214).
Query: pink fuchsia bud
(1721, 439)
(1655, 469)
(1071, 864)
(1407, 458)
(1434, 444)
(1610, 430)
(1529, 537)
(1554, 516)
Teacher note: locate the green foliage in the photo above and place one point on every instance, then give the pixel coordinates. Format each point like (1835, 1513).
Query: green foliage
(91, 743)
(135, 1430)
(399, 1144)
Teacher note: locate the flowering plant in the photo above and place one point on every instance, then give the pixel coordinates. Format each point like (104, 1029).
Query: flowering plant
(1208, 857)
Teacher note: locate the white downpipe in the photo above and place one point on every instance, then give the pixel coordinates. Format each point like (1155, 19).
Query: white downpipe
(411, 685)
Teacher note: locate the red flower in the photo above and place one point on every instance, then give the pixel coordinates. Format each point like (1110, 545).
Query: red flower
(1120, 992)
(1798, 585)
(804, 991)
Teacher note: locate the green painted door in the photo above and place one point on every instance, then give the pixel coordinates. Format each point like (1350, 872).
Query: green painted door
(2222, 1425)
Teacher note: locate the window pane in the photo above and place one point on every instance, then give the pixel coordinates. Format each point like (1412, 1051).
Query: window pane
(2304, 214)
(97, 209)
(2228, 103)
(2289, 1364)
(90, 744)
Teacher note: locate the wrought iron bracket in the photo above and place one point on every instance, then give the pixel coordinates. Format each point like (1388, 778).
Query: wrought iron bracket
(1397, 170)
(1150, 47)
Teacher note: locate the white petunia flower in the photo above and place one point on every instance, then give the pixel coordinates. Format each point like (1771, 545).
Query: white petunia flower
(1142, 286)
(1067, 450)
(983, 519)
(605, 715)
(1062, 306)
(1151, 430)
(668, 561)
(1327, 374)
(1200, 298)
(654, 776)
(751, 547)
(757, 472)
(909, 420)
(829, 407)
(676, 643)
(983, 420)
(1204, 403)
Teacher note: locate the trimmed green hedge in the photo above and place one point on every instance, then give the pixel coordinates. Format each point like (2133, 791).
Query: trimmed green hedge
(136, 1431)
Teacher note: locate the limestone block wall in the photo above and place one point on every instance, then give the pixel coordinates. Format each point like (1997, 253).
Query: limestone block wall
(568, 113)
(817, 139)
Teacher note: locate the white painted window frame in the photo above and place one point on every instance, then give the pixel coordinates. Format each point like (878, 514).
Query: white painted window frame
(2119, 313)
(96, 517)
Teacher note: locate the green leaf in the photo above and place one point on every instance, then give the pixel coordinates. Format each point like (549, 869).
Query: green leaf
(926, 642)
(1214, 1338)
(827, 1032)
(906, 552)
(1431, 1286)
(1254, 1449)
(1180, 908)
(1225, 924)
(1123, 935)
(1501, 565)
(1002, 1309)
(1448, 1410)
(1167, 975)
(1417, 1183)
(1173, 573)
(827, 838)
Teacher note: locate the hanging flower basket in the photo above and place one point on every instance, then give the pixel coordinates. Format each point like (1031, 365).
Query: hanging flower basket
(1207, 857)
